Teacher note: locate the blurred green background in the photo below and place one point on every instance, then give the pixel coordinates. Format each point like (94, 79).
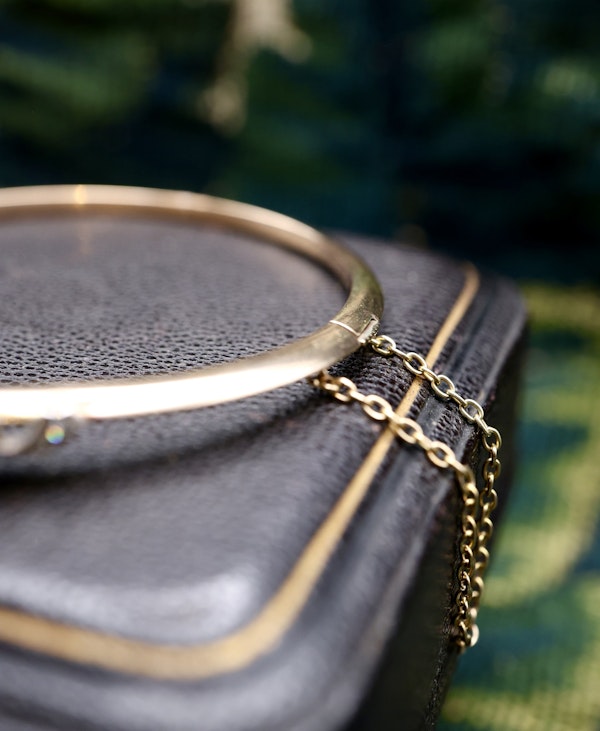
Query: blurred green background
(472, 126)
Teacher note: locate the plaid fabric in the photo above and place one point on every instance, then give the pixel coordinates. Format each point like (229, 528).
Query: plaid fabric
(538, 665)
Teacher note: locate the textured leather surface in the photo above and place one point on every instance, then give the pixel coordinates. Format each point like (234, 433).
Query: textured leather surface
(178, 529)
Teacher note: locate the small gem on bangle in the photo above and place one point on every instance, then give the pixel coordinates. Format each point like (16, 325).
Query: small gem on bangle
(55, 434)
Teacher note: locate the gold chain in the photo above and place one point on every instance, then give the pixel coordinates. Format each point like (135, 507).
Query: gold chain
(477, 505)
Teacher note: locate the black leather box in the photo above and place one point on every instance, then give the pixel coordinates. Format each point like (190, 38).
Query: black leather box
(276, 564)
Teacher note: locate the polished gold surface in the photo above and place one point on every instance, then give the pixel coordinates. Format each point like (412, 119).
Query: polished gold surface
(111, 399)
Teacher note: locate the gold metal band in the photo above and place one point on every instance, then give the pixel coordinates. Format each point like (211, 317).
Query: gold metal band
(113, 399)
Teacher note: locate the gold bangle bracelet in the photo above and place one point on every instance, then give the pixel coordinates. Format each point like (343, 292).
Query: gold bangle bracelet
(122, 398)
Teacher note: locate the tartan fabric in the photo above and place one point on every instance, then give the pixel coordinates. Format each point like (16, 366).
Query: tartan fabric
(538, 664)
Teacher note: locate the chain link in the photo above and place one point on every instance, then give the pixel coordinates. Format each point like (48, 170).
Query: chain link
(477, 504)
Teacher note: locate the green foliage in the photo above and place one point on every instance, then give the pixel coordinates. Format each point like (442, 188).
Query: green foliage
(68, 67)
(48, 98)
(475, 122)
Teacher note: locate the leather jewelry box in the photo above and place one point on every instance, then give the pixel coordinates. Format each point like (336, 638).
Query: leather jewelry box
(281, 563)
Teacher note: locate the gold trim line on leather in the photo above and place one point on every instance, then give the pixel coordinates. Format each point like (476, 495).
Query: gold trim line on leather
(260, 635)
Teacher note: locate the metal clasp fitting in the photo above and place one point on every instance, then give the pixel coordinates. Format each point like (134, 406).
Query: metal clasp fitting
(21, 437)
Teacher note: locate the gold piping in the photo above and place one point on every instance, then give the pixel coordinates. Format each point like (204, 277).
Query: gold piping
(262, 634)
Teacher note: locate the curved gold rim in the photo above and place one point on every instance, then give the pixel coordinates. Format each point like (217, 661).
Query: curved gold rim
(113, 399)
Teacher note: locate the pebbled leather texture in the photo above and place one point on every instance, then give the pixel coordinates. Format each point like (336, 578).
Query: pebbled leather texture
(179, 529)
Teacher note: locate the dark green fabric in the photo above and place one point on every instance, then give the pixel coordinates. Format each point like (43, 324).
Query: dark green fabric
(537, 667)
(472, 126)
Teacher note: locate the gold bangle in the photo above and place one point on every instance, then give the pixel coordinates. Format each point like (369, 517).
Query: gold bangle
(123, 398)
